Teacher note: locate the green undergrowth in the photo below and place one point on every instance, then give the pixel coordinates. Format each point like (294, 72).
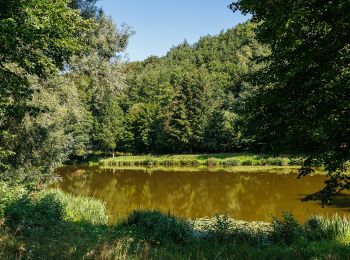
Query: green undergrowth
(53, 225)
(223, 160)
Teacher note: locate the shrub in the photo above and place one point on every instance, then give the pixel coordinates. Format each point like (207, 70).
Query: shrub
(262, 162)
(231, 162)
(8, 243)
(195, 162)
(226, 230)
(221, 227)
(286, 230)
(149, 162)
(186, 162)
(8, 194)
(49, 207)
(212, 162)
(274, 161)
(322, 228)
(285, 161)
(160, 227)
(295, 161)
(42, 212)
(78, 208)
(247, 162)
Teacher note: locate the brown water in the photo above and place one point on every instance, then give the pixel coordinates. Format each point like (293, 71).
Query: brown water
(193, 193)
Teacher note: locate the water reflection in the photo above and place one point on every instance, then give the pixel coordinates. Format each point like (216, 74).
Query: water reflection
(243, 195)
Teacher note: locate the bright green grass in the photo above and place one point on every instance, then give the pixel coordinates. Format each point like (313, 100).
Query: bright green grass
(194, 169)
(224, 160)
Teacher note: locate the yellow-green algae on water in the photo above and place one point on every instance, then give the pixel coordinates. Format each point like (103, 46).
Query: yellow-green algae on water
(250, 194)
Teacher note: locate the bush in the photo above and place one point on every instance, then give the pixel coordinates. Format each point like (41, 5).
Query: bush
(275, 161)
(78, 208)
(49, 207)
(220, 229)
(43, 212)
(286, 230)
(247, 162)
(211, 162)
(186, 162)
(231, 162)
(262, 162)
(226, 230)
(149, 162)
(321, 228)
(9, 194)
(296, 161)
(161, 228)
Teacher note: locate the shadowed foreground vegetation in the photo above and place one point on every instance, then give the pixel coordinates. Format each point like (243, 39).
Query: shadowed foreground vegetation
(223, 160)
(52, 224)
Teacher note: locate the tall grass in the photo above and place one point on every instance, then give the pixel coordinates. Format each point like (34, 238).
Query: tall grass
(223, 160)
(160, 227)
(78, 208)
(51, 207)
(322, 228)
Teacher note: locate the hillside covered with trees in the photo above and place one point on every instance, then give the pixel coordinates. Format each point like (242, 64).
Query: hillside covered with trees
(93, 101)
(67, 92)
(277, 86)
(187, 100)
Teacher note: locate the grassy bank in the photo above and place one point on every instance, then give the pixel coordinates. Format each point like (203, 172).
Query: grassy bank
(54, 225)
(223, 160)
(194, 169)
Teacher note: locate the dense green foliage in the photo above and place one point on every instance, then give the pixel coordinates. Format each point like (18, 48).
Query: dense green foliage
(279, 82)
(46, 208)
(60, 77)
(77, 97)
(300, 99)
(185, 101)
(37, 37)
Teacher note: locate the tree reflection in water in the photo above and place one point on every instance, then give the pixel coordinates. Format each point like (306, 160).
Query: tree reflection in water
(197, 193)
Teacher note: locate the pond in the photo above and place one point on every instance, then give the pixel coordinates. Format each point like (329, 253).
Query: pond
(250, 194)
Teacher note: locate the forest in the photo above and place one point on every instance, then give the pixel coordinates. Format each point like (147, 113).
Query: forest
(189, 99)
(276, 85)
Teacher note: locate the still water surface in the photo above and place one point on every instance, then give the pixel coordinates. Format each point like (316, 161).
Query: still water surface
(195, 193)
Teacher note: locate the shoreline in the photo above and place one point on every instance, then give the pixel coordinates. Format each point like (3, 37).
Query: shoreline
(210, 160)
(201, 168)
(83, 223)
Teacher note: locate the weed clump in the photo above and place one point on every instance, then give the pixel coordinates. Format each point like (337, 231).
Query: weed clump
(320, 228)
(160, 227)
(50, 207)
(43, 212)
(8, 195)
(286, 230)
(79, 208)
(231, 162)
(247, 162)
(212, 162)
